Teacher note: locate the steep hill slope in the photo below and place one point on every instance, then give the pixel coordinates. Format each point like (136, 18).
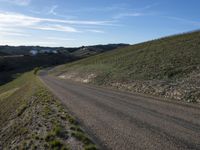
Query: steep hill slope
(168, 67)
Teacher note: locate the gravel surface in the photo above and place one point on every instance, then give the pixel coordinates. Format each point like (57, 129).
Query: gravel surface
(124, 121)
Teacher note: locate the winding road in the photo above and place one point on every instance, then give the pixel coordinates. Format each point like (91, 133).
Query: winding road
(124, 121)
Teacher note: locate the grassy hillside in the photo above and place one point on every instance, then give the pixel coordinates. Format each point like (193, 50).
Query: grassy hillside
(166, 67)
(32, 118)
(20, 59)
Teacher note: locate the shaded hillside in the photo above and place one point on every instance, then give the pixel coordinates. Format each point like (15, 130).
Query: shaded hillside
(19, 59)
(168, 67)
(77, 51)
(9, 66)
(3, 54)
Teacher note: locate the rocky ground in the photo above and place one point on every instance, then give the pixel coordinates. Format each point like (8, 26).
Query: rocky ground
(183, 89)
(187, 89)
(124, 121)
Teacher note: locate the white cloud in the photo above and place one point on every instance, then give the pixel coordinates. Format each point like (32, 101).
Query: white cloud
(95, 31)
(24, 20)
(17, 24)
(18, 2)
(77, 22)
(12, 32)
(56, 28)
(8, 33)
(16, 21)
(122, 15)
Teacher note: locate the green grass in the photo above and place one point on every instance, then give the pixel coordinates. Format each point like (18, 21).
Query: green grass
(8, 93)
(82, 137)
(90, 147)
(15, 95)
(164, 59)
(30, 112)
(56, 144)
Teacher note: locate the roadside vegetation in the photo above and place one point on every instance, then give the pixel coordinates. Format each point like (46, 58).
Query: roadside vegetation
(167, 67)
(32, 118)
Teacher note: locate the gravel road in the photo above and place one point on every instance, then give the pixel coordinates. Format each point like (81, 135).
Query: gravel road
(124, 121)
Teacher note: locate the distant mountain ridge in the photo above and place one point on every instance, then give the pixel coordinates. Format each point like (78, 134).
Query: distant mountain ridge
(26, 50)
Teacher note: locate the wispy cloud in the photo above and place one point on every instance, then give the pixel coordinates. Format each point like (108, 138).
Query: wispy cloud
(52, 10)
(12, 32)
(60, 28)
(183, 20)
(8, 33)
(95, 31)
(21, 21)
(17, 2)
(14, 19)
(136, 12)
(24, 20)
(146, 7)
(99, 9)
(122, 15)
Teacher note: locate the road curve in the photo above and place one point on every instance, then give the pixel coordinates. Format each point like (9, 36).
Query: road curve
(124, 121)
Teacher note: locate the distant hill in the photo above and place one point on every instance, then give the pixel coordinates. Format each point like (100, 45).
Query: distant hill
(3, 54)
(77, 52)
(167, 67)
(23, 58)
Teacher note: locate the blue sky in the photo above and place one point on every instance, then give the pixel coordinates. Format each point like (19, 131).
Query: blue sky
(71, 23)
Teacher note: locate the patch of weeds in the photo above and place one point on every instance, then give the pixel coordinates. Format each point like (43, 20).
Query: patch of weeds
(65, 148)
(63, 117)
(56, 144)
(72, 120)
(21, 109)
(35, 71)
(76, 128)
(90, 147)
(82, 137)
(59, 131)
(47, 111)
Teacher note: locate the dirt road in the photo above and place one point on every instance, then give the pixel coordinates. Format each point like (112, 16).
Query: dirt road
(123, 121)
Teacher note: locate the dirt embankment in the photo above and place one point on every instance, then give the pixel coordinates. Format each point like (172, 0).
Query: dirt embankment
(186, 89)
